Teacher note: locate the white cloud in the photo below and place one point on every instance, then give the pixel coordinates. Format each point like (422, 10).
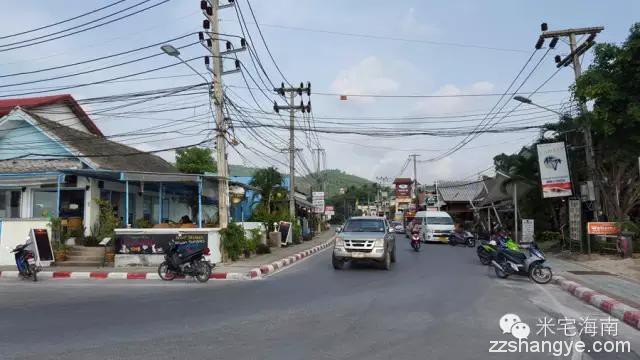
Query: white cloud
(368, 76)
(455, 104)
(410, 25)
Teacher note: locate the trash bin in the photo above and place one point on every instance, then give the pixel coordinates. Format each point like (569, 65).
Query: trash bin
(625, 244)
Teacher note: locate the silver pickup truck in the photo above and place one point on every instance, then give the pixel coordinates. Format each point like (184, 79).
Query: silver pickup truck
(365, 238)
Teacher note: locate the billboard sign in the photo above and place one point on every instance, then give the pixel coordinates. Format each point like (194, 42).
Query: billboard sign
(528, 231)
(329, 210)
(403, 190)
(554, 170)
(318, 201)
(602, 228)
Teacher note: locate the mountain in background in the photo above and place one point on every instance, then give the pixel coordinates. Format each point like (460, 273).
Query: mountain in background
(334, 180)
(240, 170)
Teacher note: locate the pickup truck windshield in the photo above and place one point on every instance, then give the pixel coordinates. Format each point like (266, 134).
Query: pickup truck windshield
(439, 221)
(364, 225)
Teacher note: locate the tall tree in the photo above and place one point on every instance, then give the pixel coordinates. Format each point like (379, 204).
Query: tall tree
(612, 83)
(269, 181)
(195, 160)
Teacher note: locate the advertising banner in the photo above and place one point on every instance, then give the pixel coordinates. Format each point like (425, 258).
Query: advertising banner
(329, 210)
(554, 170)
(403, 190)
(146, 243)
(602, 228)
(317, 198)
(528, 232)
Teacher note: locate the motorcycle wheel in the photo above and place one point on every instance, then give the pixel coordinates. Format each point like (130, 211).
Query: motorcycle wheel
(485, 259)
(501, 274)
(34, 272)
(471, 242)
(541, 274)
(164, 272)
(416, 246)
(204, 273)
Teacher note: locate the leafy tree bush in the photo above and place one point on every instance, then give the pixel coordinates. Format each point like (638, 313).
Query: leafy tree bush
(195, 160)
(233, 240)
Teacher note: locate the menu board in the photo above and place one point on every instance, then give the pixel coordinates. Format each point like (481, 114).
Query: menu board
(43, 246)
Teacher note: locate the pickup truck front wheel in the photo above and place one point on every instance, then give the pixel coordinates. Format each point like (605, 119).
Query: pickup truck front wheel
(337, 263)
(386, 263)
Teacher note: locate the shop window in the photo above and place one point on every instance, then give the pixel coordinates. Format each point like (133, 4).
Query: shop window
(44, 204)
(10, 203)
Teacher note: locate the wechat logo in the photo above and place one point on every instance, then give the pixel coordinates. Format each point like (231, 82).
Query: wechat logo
(512, 324)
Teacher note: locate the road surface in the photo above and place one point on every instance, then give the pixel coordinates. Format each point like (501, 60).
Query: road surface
(438, 304)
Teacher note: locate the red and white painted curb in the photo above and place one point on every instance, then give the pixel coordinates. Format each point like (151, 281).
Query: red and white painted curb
(617, 309)
(253, 274)
(277, 265)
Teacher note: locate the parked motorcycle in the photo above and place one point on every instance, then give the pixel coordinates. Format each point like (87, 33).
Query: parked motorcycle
(415, 241)
(26, 261)
(177, 263)
(487, 251)
(525, 262)
(462, 238)
(488, 248)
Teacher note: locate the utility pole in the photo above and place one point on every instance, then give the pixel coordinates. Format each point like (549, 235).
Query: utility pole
(210, 9)
(292, 91)
(415, 179)
(320, 176)
(574, 58)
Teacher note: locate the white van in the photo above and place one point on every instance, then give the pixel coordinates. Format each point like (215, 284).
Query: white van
(435, 225)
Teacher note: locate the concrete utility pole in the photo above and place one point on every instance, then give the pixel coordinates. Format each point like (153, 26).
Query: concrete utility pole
(574, 58)
(212, 23)
(320, 178)
(292, 120)
(415, 178)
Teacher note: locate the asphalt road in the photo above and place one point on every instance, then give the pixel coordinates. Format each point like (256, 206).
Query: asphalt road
(438, 304)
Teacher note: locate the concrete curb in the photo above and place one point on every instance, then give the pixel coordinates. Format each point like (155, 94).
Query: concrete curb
(615, 308)
(253, 274)
(284, 262)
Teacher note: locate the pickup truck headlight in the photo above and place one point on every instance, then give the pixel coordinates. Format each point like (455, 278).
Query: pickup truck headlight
(379, 242)
(339, 241)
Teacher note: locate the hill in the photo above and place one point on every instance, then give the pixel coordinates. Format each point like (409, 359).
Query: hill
(334, 180)
(240, 170)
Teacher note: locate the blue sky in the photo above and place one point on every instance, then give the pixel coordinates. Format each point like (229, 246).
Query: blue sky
(333, 63)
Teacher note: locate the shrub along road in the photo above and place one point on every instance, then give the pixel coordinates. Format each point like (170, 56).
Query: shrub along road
(440, 302)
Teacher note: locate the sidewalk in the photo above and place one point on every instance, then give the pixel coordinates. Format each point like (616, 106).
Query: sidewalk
(250, 268)
(617, 287)
(609, 292)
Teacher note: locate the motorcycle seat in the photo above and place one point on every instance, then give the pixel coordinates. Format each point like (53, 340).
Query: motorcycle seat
(515, 254)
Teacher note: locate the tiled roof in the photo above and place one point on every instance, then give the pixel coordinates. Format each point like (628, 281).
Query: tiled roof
(37, 165)
(106, 154)
(461, 191)
(7, 105)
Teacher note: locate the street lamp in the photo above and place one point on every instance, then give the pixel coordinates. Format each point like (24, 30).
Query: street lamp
(525, 100)
(172, 51)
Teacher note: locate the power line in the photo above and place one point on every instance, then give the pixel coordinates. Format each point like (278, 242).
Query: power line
(98, 58)
(85, 29)
(265, 43)
(390, 38)
(63, 21)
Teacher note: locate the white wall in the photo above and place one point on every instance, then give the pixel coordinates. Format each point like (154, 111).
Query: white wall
(14, 232)
(62, 114)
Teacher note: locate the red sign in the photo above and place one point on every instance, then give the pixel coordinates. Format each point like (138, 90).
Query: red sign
(602, 228)
(403, 190)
